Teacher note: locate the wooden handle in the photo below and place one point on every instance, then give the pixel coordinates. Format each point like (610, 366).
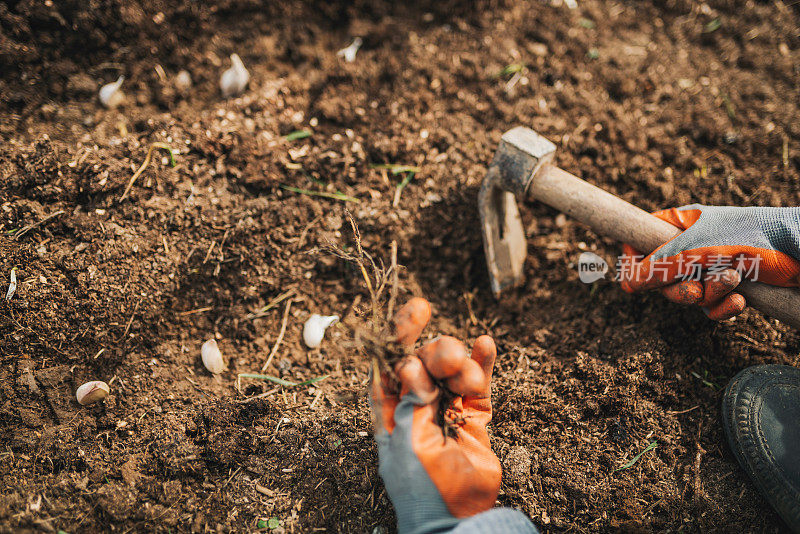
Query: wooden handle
(611, 216)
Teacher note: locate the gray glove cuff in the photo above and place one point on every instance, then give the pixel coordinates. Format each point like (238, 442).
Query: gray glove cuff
(496, 521)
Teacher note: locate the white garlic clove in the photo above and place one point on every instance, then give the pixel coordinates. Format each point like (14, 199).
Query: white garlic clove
(349, 53)
(314, 329)
(212, 357)
(183, 81)
(110, 94)
(92, 392)
(234, 80)
(12, 286)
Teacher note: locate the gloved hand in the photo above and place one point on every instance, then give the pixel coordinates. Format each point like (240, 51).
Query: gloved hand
(719, 246)
(435, 482)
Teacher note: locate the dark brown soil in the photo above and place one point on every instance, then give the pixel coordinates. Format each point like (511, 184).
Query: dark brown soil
(664, 103)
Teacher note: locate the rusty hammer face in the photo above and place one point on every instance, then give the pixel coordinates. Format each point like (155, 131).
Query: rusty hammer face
(522, 152)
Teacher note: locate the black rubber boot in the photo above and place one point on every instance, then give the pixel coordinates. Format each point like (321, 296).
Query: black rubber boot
(761, 415)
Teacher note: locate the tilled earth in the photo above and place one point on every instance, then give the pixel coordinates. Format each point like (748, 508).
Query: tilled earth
(664, 103)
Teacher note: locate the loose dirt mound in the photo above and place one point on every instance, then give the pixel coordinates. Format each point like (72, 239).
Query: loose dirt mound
(665, 103)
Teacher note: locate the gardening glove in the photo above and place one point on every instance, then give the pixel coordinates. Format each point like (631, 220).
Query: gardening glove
(719, 246)
(437, 483)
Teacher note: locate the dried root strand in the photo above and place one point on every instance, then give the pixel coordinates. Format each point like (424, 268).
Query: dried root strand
(377, 342)
(376, 282)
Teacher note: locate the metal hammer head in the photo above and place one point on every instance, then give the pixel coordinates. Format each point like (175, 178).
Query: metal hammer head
(521, 153)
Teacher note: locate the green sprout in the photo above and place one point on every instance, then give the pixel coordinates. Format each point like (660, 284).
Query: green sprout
(511, 68)
(298, 134)
(281, 381)
(635, 459)
(704, 379)
(712, 26)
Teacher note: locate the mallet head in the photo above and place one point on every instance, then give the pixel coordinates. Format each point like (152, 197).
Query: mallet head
(521, 153)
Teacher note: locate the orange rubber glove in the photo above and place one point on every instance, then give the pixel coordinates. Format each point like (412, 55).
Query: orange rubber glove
(719, 246)
(433, 481)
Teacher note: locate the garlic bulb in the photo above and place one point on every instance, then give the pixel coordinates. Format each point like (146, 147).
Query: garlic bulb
(349, 53)
(314, 329)
(110, 94)
(212, 357)
(234, 80)
(92, 392)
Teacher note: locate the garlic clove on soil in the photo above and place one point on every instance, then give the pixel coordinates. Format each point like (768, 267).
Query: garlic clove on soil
(234, 80)
(12, 286)
(110, 94)
(92, 392)
(183, 81)
(314, 329)
(212, 357)
(349, 53)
